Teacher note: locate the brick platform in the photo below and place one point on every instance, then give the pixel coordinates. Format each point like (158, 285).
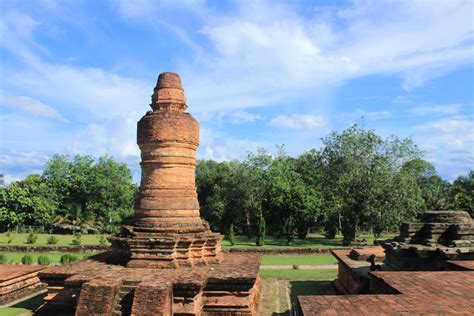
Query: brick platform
(439, 293)
(18, 282)
(461, 265)
(96, 287)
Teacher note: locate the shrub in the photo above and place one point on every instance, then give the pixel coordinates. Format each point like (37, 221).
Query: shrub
(102, 240)
(231, 235)
(3, 258)
(8, 234)
(9, 241)
(296, 267)
(67, 258)
(52, 240)
(261, 231)
(31, 238)
(76, 241)
(27, 259)
(44, 260)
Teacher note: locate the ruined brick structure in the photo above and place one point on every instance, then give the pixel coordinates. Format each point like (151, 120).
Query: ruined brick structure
(168, 262)
(430, 272)
(168, 231)
(427, 245)
(19, 282)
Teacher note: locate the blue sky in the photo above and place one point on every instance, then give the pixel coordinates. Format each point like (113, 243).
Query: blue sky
(76, 76)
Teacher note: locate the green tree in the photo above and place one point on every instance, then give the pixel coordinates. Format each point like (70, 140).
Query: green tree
(261, 231)
(359, 169)
(461, 193)
(231, 235)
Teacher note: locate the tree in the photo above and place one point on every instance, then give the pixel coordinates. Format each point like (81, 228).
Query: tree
(461, 193)
(261, 231)
(359, 169)
(231, 235)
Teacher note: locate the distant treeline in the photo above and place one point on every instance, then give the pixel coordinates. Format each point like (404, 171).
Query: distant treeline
(356, 181)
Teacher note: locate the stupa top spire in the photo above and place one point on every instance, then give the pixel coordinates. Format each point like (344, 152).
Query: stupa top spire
(168, 95)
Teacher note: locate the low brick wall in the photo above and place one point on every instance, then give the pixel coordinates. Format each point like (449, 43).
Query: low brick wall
(32, 248)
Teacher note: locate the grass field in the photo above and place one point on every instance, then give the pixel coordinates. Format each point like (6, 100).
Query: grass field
(15, 257)
(312, 241)
(298, 259)
(19, 239)
(298, 274)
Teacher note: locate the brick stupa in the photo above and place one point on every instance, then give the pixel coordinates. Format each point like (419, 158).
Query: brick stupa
(168, 231)
(168, 262)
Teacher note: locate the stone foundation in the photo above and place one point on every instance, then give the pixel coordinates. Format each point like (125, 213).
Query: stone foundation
(94, 287)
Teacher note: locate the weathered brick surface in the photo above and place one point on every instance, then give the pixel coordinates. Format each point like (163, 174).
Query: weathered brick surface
(168, 231)
(229, 288)
(98, 297)
(427, 246)
(19, 281)
(422, 293)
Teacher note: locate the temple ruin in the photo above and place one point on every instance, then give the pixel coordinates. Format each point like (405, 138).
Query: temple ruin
(169, 262)
(427, 269)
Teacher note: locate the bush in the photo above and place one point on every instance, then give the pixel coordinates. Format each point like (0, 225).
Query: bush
(3, 258)
(102, 240)
(296, 267)
(231, 235)
(67, 258)
(31, 238)
(52, 240)
(27, 259)
(44, 260)
(261, 231)
(77, 239)
(8, 234)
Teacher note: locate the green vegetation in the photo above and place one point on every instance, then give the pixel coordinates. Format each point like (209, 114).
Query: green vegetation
(68, 258)
(77, 240)
(52, 240)
(27, 259)
(298, 259)
(357, 181)
(3, 258)
(43, 260)
(299, 274)
(311, 241)
(231, 235)
(19, 239)
(82, 194)
(31, 238)
(54, 257)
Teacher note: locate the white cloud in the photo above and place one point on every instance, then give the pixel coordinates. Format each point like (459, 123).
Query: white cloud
(242, 116)
(436, 109)
(450, 125)
(29, 105)
(298, 121)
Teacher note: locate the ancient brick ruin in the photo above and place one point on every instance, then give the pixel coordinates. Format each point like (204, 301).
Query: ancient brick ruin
(168, 262)
(429, 244)
(168, 231)
(427, 269)
(18, 283)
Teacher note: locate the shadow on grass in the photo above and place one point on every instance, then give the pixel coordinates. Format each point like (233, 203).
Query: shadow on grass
(307, 288)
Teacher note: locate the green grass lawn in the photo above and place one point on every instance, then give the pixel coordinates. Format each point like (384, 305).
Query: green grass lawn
(298, 259)
(312, 241)
(54, 257)
(19, 239)
(298, 274)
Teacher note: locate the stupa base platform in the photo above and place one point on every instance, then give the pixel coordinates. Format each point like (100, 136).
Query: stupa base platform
(139, 249)
(96, 287)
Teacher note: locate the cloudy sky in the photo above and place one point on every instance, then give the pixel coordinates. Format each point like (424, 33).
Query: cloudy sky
(76, 75)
